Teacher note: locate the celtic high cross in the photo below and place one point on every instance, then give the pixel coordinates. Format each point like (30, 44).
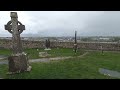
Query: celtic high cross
(15, 27)
(18, 61)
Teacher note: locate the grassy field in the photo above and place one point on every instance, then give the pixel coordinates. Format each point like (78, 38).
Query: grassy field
(5, 52)
(34, 54)
(77, 68)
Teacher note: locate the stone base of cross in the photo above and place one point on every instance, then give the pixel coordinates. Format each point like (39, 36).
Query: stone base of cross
(18, 64)
(47, 49)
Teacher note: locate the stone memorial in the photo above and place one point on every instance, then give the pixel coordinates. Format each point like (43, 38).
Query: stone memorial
(108, 72)
(18, 61)
(75, 44)
(47, 45)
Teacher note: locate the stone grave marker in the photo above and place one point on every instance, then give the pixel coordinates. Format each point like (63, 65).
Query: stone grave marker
(18, 61)
(109, 72)
(47, 45)
(75, 44)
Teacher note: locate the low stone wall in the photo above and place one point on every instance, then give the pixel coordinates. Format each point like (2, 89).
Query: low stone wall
(83, 45)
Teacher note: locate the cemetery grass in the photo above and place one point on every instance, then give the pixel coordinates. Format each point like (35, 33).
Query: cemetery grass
(34, 54)
(5, 52)
(54, 52)
(76, 68)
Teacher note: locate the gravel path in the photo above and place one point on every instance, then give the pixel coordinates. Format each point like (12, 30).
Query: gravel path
(47, 59)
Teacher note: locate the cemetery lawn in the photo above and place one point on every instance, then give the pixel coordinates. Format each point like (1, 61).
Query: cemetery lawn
(76, 68)
(34, 54)
(6, 52)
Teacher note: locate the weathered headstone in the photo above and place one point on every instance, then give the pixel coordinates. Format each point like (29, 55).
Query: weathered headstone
(47, 45)
(75, 44)
(18, 61)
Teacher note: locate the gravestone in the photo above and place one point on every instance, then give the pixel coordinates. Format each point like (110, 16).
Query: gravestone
(18, 61)
(109, 72)
(75, 44)
(47, 45)
(101, 47)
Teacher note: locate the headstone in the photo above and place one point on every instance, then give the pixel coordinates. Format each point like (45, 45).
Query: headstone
(18, 61)
(109, 72)
(47, 45)
(75, 44)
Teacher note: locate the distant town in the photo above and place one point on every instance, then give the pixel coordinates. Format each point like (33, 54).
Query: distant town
(71, 39)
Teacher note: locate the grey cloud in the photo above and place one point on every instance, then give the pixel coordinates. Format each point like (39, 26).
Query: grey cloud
(64, 23)
(106, 24)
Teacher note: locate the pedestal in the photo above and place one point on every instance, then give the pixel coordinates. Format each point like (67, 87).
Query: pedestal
(18, 63)
(47, 49)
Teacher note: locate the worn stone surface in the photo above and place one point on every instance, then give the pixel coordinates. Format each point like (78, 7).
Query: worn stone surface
(109, 72)
(17, 63)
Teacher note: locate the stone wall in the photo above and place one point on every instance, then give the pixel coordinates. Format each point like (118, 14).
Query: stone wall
(84, 45)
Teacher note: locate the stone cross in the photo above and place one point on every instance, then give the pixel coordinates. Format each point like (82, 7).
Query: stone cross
(15, 29)
(75, 44)
(18, 61)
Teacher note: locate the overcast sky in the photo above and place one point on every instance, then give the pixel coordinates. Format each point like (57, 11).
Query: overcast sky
(64, 23)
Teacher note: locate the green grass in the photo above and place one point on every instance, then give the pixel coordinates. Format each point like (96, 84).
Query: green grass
(5, 52)
(54, 52)
(77, 68)
(64, 52)
(34, 54)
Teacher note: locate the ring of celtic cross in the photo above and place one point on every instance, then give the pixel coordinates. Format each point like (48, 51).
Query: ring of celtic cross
(20, 27)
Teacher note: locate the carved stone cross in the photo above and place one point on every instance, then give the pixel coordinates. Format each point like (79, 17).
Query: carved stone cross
(15, 28)
(18, 61)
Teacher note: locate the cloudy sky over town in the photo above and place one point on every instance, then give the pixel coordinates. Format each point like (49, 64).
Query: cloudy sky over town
(64, 23)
